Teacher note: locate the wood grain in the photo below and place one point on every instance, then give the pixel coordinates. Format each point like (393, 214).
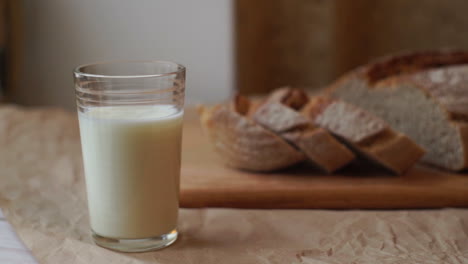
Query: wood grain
(366, 29)
(281, 42)
(310, 42)
(14, 42)
(207, 183)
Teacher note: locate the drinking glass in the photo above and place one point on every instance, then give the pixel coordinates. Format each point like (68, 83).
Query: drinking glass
(130, 115)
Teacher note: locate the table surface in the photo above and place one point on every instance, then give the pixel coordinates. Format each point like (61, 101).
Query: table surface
(42, 195)
(206, 182)
(12, 250)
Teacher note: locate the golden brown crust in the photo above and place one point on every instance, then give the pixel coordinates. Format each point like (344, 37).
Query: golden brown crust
(241, 104)
(366, 133)
(397, 152)
(439, 73)
(323, 149)
(411, 62)
(449, 85)
(315, 106)
(291, 97)
(318, 145)
(463, 131)
(243, 144)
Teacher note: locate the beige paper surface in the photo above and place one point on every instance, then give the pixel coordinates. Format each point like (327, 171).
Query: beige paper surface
(42, 194)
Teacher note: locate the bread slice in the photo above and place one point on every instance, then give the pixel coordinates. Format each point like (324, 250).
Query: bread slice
(278, 114)
(365, 133)
(291, 97)
(243, 144)
(424, 95)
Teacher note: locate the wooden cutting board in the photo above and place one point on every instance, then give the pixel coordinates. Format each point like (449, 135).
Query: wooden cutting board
(206, 182)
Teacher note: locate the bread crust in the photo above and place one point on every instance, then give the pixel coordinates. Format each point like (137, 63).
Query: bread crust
(450, 67)
(365, 133)
(462, 128)
(411, 62)
(438, 74)
(244, 144)
(278, 114)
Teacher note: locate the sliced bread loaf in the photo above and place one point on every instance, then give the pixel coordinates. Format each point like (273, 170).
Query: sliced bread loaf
(242, 143)
(365, 133)
(424, 95)
(278, 114)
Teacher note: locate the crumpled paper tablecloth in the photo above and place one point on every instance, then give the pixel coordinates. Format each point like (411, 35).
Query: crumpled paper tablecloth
(42, 195)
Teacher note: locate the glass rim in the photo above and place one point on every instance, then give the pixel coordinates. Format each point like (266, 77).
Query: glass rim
(79, 69)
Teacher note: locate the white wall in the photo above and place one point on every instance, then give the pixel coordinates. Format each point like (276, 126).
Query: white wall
(61, 34)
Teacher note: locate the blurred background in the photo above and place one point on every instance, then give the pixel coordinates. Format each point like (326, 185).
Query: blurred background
(227, 45)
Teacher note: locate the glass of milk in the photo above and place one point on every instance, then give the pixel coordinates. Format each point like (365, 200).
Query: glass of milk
(130, 116)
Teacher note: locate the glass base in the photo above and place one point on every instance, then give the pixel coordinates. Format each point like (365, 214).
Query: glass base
(136, 245)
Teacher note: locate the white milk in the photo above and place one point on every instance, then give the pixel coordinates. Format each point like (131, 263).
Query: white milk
(132, 164)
